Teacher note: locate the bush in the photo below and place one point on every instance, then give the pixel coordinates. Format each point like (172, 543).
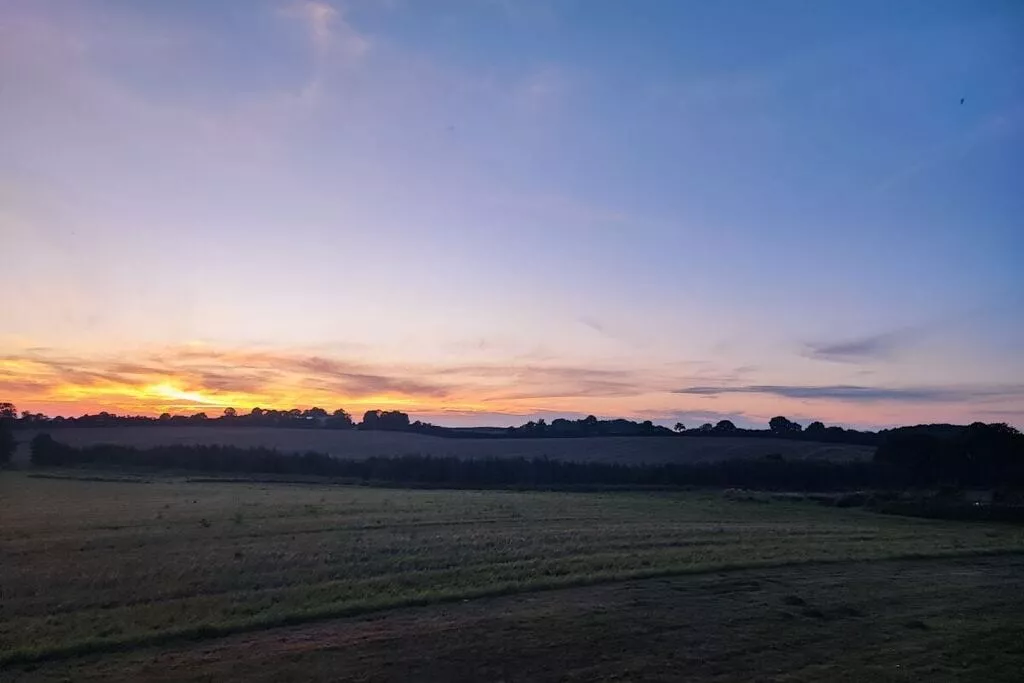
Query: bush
(8, 444)
(45, 451)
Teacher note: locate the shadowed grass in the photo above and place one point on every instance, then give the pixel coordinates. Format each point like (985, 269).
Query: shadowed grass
(101, 566)
(291, 618)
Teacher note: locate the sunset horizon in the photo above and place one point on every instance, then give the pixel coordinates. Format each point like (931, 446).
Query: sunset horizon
(200, 378)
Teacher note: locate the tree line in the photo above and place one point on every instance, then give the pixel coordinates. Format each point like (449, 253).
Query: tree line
(923, 438)
(395, 420)
(914, 457)
(779, 427)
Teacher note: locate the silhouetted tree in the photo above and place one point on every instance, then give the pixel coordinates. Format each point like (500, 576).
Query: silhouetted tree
(230, 413)
(385, 420)
(725, 427)
(340, 419)
(680, 427)
(783, 427)
(706, 428)
(815, 429)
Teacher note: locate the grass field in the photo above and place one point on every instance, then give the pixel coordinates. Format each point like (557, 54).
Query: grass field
(169, 567)
(357, 444)
(940, 620)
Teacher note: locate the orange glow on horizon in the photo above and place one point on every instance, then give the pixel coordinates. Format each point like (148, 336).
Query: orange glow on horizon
(31, 386)
(189, 379)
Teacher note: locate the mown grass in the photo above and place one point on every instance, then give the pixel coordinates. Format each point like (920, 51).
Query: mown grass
(97, 566)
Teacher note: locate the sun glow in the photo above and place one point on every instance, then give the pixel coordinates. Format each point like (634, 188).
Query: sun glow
(169, 391)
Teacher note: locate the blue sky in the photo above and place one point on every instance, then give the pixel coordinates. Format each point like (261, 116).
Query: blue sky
(674, 210)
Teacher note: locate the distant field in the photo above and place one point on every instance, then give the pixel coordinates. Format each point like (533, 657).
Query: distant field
(357, 444)
(163, 571)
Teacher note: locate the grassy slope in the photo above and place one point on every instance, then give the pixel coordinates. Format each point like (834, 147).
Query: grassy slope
(91, 566)
(355, 444)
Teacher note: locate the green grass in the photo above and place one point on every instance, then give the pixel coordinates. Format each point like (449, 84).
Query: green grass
(97, 566)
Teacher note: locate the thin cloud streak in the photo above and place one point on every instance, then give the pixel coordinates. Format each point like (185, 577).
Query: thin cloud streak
(866, 394)
(862, 349)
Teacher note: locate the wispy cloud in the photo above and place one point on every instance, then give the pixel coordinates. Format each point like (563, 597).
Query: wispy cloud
(193, 377)
(594, 324)
(861, 349)
(867, 394)
(318, 16)
(329, 29)
(611, 332)
(179, 377)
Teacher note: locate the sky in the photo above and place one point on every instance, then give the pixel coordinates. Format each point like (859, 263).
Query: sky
(487, 211)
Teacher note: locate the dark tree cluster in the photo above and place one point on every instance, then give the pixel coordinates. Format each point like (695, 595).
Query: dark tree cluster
(947, 455)
(767, 473)
(783, 428)
(588, 426)
(385, 420)
(8, 443)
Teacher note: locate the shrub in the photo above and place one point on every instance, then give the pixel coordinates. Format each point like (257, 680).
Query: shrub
(8, 443)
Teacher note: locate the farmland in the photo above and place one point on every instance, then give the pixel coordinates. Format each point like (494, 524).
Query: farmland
(360, 444)
(176, 579)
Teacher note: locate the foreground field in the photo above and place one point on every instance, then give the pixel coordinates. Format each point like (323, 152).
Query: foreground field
(358, 444)
(98, 566)
(112, 566)
(922, 620)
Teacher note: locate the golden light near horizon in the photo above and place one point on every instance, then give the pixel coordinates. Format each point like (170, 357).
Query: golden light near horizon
(167, 390)
(207, 378)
